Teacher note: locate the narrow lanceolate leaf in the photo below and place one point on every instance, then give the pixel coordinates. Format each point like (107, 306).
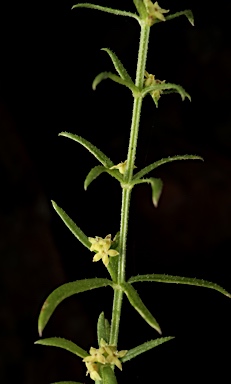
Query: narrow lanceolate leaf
(63, 292)
(108, 75)
(144, 348)
(67, 382)
(64, 344)
(139, 4)
(103, 159)
(77, 232)
(107, 374)
(179, 280)
(118, 65)
(188, 13)
(165, 160)
(103, 329)
(116, 12)
(166, 86)
(157, 186)
(137, 303)
(97, 171)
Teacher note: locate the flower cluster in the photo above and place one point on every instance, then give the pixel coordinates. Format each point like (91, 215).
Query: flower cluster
(106, 354)
(102, 247)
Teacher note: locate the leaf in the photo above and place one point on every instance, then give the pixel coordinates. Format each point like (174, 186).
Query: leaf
(165, 160)
(116, 12)
(108, 75)
(77, 232)
(103, 329)
(103, 159)
(188, 13)
(64, 344)
(144, 348)
(139, 306)
(63, 292)
(118, 65)
(179, 280)
(97, 171)
(113, 267)
(141, 9)
(157, 186)
(166, 86)
(67, 382)
(107, 374)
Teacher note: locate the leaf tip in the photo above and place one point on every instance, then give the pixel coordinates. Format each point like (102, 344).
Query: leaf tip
(94, 85)
(62, 133)
(53, 204)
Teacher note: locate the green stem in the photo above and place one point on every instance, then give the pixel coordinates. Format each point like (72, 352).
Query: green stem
(126, 193)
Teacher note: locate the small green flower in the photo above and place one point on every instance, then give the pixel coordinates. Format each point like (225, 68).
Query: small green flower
(154, 11)
(150, 80)
(93, 370)
(112, 354)
(121, 167)
(96, 355)
(102, 247)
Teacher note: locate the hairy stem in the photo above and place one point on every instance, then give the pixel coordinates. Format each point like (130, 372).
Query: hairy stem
(126, 187)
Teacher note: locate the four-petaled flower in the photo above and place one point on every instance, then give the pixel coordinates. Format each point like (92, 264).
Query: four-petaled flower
(121, 167)
(151, 80)
(102, 248)
(154, 11)
(112, 354)
(93, 370)
(106, 354)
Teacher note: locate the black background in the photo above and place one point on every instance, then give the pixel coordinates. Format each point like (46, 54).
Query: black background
(49, 57)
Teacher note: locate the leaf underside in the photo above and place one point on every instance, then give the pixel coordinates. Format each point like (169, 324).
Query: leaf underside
(144, 348)
(178, 280)
(67, 382)
(77, 232)
(103, 329)
(165, 160)
(65, 291)
(97, 171)
(139, 306)
(100, 156)
(64, 344)
(116, 12)
(118, 65)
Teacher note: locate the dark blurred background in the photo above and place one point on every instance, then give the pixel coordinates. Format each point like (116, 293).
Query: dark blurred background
(49, 57)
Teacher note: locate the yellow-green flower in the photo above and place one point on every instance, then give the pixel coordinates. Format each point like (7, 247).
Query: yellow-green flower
(93, 370)
(151, 80)
(106, 354)
(112, 354)
(96, 355)
(121, 167)
(102, 247)
(154, 11)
